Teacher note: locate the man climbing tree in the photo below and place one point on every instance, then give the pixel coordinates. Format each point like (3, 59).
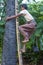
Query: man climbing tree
(9, 46)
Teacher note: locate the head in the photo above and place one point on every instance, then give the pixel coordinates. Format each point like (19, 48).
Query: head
(23, 6)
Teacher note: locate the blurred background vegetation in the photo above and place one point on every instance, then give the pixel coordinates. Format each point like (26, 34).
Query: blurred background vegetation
(34, 48)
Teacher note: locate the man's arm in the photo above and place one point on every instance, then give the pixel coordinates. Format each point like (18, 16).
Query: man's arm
(14, 16)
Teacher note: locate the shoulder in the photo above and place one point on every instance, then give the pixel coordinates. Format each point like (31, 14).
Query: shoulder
(23, 11)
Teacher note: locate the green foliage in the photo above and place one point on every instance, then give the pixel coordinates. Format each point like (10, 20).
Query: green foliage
(2, 22)
(36, 10)
(36, 39)
(0, 54)
(2, 25)
(41, 42)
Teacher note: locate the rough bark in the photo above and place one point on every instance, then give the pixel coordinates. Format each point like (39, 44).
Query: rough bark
(9, 44)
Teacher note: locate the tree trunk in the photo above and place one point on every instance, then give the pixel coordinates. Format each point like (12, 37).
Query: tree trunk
(9, 45)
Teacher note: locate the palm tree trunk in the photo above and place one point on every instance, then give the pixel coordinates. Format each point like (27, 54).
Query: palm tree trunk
(9, 44)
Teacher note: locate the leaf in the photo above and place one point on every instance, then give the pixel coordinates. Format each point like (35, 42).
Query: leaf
(41, 43)
(2, 23)
(38, 32)
(1, 30)
(40, 25)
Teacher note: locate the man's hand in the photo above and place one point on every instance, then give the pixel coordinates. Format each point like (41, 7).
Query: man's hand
(7, 19)
(12, 17)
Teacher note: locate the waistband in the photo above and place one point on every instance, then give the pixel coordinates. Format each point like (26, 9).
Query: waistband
(31, 21)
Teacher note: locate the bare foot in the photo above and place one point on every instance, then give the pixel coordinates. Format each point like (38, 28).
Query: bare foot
(22, 50)
(26, 40)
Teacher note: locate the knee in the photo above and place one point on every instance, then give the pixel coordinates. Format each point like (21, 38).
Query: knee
(19, 27)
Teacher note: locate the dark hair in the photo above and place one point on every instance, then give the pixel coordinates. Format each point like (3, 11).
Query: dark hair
(24, 5)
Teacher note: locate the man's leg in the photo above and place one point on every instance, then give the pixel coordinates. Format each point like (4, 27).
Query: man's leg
(26, 30)
(23, 31)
